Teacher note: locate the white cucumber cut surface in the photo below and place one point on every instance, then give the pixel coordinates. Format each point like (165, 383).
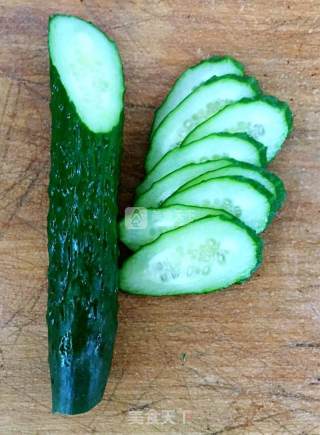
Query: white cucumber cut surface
(202, 103)
(203, 256)
(90, 69)
(264, 121)
(234, 170)
(242, 197)
(193, 77)
(237, 146)
(169, 184)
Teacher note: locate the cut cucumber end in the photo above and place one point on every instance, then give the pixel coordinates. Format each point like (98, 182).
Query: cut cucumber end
(90, 69)
(203, 256)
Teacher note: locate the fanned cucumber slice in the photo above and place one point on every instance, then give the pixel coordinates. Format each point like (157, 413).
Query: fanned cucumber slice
(193, 77)
(269, 180)
(205, 255)
(166, 186)
(159, 221)
(265, 118)
(203, 102)
(242, 197)
(238, 146)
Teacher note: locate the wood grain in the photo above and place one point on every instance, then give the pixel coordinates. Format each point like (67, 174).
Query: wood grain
(241, 361)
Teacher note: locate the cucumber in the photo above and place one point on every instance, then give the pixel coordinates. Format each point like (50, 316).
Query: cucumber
(192, 78)
(166, 186)
(159, 221)
(202, 103)
(238, 146)
(265, 118)
(87, 91)
(203, 256)
(269, 180)
(242, 197)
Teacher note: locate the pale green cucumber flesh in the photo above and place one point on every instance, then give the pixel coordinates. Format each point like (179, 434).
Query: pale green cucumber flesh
(215, 66)
(166, 186)
(238, 146)
(205, 255)
(201, 104)
(265, 118)
(240, 196)
(154, 222)
(267, 179)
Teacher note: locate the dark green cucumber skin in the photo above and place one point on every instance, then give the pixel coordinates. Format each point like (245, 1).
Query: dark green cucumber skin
(83, 253)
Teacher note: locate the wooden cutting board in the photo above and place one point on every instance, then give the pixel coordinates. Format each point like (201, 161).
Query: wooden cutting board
(245, 360)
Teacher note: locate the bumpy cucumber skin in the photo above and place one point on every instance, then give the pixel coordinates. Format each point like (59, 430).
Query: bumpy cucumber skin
(271, 100)
(259, 254)
(251, 81)
(212, 59)
(83, 252)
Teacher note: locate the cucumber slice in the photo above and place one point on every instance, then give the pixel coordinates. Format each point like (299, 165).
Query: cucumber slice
(265, 118)
(202, 103)
(203, 256)
(192, 78)
(90, 70)
(166, 186)
(244, 198)
(238, 146)
(87, 89)
(269, 180)
(159, 221)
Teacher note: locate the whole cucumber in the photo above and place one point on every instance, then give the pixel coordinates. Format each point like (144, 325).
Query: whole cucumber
(87, 92)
